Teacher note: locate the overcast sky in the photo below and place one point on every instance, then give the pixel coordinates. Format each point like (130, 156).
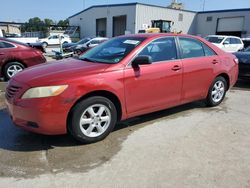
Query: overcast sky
(22, 10)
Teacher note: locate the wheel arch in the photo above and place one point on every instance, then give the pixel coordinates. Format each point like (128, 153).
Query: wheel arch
(102, 93)
(226, 77)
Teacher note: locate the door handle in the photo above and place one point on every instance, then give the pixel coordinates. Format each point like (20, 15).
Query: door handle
(215, 61)
(176, 68)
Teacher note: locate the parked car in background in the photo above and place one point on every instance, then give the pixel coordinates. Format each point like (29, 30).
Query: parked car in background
(70, 47)
(15, 57)
(122, 78)
(226, 43)
(246, 42)
(38, 46)
(90, 44)
(244, 63)
(54, 40)
(25, 40)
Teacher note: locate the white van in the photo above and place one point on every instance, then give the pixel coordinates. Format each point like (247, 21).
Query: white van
(226, 43)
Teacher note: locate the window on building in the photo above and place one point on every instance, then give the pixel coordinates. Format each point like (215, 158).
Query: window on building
(180, 17)
(163, 49)
(209, 18)
(191, 48)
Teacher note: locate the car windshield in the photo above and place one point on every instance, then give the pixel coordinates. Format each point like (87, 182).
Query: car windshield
(112, 51)
(83, 41)
(214, 39)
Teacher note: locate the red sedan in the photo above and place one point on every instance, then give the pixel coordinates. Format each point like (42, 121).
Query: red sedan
(124, 77)
(15, 56)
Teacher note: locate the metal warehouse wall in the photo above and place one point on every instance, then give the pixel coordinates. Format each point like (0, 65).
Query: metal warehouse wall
(205, 27)
(87, 19)
(146, 13)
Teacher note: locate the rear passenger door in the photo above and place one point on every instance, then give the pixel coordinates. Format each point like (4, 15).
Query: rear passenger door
(199, 62)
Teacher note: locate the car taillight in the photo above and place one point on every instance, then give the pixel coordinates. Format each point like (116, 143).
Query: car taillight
(236, 61)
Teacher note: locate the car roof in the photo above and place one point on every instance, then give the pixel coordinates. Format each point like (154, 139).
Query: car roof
(157, 35)
(223, 36)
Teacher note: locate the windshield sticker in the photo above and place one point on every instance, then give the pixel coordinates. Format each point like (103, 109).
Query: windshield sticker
(134, 42)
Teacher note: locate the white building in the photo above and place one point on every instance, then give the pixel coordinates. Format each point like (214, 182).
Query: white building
(118, 19)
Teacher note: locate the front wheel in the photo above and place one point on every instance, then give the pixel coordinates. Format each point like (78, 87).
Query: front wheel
(11, 69)
(92, 119)
(217, 92)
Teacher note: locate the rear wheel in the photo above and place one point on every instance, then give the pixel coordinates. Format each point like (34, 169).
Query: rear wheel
(11, 69)
(45, 45)
(92, 119)
(217, 92)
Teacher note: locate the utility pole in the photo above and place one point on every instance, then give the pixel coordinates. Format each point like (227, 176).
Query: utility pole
(204, 4)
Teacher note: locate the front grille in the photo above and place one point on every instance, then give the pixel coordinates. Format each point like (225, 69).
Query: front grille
(11, 91)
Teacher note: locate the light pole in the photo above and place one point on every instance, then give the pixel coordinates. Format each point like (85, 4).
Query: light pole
(204, 4)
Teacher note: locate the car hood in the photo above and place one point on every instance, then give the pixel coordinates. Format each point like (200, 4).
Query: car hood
(68, 45)
(58, 71)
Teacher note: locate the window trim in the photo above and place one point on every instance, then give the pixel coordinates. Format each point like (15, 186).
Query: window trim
(157, 62)
(14, 46)
(202, 43)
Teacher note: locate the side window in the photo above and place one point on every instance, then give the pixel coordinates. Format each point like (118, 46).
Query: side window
(1, 45)
(228, 40)
(163, 49)
(208, 51)
(191, 48)
(6, 45)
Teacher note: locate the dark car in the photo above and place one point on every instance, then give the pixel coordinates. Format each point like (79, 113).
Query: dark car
(246, 42)
(80, 49)
(70, 47)
(16, 56)
(244, 63)
(38, 46)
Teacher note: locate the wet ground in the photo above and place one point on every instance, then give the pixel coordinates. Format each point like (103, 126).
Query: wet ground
(189, 145)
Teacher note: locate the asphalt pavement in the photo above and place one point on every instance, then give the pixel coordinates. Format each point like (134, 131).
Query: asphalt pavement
(186, 146)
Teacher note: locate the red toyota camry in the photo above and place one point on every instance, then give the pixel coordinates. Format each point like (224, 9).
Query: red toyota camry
(124, 77)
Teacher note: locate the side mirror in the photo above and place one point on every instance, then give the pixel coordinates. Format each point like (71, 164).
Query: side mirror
(141, 60)
(88, 45)
(225, 43)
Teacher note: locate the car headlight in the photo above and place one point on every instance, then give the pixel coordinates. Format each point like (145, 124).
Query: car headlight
(47, 91)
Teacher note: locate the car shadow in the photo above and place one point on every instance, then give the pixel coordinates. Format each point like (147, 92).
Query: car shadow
(17, 139)
(242, 84)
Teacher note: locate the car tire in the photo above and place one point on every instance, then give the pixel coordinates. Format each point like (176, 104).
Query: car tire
(217, 92)
(12, 68)
(78, 52)
(92, 119)
(45, 45)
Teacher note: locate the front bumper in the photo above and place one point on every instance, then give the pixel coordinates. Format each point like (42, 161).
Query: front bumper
(46, 116)
(38, 117)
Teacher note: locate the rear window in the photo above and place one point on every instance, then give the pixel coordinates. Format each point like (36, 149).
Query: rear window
(214, 39)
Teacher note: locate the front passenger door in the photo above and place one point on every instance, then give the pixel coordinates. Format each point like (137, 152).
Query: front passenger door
(155, 86)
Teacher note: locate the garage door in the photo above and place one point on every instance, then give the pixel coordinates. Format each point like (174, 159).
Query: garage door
(230, 26)
(119, 25)
(101, 27)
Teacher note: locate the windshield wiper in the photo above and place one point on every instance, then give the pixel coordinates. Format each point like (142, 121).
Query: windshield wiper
(92, 60)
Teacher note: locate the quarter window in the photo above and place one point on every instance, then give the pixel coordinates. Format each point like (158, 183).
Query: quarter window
(163, 49)
(191, 48)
